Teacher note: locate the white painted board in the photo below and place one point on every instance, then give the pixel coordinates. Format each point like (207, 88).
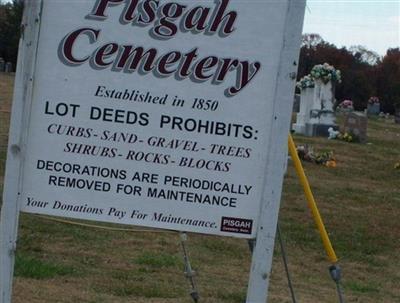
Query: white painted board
(97, 151)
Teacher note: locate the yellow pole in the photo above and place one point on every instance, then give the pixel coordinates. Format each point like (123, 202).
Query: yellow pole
(311, 202)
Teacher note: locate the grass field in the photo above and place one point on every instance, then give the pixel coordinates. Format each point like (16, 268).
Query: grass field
(359, 201)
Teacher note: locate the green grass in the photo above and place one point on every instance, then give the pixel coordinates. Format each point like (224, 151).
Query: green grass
(30, 267)
(148, 291)
(157, 260)
(364, 288)
(233, 297)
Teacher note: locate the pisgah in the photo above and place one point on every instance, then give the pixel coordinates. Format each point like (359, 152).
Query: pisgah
(130, 58)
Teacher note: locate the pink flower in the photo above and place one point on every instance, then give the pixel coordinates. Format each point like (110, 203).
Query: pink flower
(373, 100)
(346, 104)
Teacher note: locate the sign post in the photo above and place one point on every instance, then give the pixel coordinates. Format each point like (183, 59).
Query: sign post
(276, 164)
(16, 147)
(165, 114)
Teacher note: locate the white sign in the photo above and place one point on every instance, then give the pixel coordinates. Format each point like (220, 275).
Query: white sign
(167, 114)
(153, 114)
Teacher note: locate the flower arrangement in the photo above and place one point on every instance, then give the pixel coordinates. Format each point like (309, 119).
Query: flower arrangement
(373, 100)
(305, 82)
(347, 137)
(325, 158)
(326, 73)
(323, 72)
(346, 104)
(330, 163)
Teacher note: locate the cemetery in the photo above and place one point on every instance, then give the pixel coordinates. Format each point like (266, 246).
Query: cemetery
(82, 264)
(158, 201)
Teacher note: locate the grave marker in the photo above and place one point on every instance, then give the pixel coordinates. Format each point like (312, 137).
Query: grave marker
(374, 109)
(2, 65)
(321, 112)
(8, 67)
(304, 115)
(357, 124)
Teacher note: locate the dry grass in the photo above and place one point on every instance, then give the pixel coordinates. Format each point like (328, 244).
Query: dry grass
(359, 200)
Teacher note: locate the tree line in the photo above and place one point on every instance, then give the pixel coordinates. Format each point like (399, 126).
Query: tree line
(10, 23)
(364, 73)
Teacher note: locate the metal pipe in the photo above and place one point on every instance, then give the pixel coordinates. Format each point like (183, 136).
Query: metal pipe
(311, 202)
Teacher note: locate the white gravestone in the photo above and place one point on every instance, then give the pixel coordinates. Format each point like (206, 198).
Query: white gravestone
(321, 113)
(303, 117)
